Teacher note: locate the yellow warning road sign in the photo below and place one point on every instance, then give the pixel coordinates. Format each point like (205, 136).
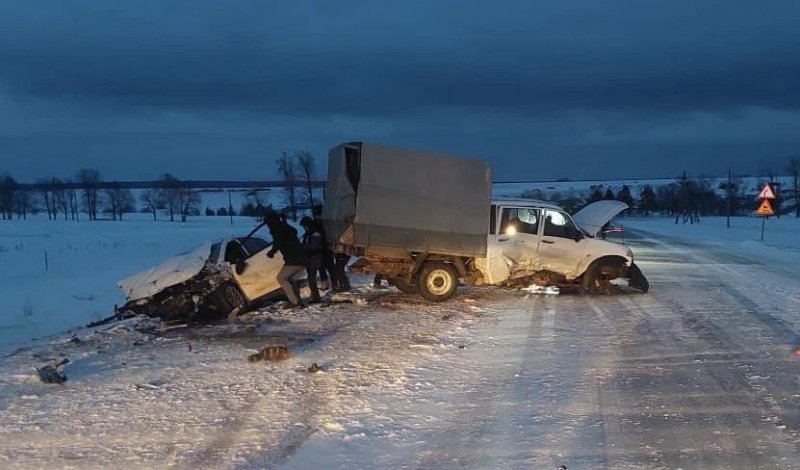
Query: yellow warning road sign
(765, 208)
(766, 192)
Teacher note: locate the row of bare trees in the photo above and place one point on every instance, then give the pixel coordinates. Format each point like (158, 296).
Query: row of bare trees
(697, 196)
(88, 194)
(60, 197)
(301, 167)
(171, 195)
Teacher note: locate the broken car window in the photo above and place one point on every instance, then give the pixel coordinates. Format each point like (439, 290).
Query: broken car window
(254, 245)
(519, 220)
(557, 224)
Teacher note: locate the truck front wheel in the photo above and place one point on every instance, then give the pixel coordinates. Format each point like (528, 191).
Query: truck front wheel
(597, 279)
(437, 281)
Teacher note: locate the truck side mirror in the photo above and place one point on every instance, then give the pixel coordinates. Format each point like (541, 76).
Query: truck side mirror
(578, 236)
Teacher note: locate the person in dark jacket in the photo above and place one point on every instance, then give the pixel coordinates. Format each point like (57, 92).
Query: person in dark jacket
(326, 269)
(340, 281)
(312, 245)
(284, 239)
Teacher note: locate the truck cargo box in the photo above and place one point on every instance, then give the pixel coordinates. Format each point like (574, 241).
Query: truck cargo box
(383, 201)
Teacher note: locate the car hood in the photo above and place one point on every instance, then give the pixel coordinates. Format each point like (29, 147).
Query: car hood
(592, 217)
(169, 273)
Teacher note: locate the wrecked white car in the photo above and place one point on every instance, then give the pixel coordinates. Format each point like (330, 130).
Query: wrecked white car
(211, 281)
(539, 240)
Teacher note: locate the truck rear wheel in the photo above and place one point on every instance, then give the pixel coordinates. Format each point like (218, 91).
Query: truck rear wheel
(437, 281)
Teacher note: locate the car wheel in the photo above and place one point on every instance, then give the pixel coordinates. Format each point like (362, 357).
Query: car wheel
(403, 285)
(638, 281)
(228, 298)
(597, 279)
(437, 281)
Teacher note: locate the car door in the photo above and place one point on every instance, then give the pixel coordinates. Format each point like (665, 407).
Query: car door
(513, 249)
(260, 275)
(562, 246)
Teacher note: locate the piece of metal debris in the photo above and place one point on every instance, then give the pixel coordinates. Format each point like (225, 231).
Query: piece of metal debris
(271, 353)
(50, 374)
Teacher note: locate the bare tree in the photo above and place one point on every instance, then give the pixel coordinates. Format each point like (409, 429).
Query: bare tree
(169, 189)
(22, 203)
(120, 200)
(153, 200)
(45, 188)
(188, 201)
(60, 201)
(305, 162)
(8, 187)
(287, 173)
(793, 167)
(89, 180)
(72, 197)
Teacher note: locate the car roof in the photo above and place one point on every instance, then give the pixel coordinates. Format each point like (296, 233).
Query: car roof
(525, 202)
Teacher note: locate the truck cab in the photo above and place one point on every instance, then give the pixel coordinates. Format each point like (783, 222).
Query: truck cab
(530, 238)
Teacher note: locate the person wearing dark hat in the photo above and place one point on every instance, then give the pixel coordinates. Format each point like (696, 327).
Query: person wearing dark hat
(312, 245)
(284, 239)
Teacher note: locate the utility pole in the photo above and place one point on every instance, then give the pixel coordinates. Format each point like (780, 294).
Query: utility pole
(230, 206)
(730, 191)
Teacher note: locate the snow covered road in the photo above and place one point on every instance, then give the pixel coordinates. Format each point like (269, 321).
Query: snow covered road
(699, 373)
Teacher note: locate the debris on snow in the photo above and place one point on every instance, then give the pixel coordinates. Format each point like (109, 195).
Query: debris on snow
(537, 289)
(314, 368)
(271, 353)
(50, 374)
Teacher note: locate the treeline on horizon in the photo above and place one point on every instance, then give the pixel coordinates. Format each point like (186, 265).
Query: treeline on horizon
(87, 193)
(685, 195)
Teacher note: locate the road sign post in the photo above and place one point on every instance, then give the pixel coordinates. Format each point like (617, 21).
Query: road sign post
(765, 208)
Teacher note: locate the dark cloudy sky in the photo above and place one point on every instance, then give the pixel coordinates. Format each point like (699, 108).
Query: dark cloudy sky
(543, 89)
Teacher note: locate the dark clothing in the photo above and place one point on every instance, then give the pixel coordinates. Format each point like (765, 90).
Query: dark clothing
(284, 239)
(326, 271)
(312, 245)
(326, 268)
(340, 280)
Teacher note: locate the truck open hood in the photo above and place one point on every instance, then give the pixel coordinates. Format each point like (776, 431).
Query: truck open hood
(169, 273)
(592, 217)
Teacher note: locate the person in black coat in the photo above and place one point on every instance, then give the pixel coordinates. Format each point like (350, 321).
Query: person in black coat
(312, 245)
(284, 239)
(326, 269)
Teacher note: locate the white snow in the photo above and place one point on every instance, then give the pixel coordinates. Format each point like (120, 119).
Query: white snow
(781, 243)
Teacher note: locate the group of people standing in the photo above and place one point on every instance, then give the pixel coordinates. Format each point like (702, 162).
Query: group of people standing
(310, 253)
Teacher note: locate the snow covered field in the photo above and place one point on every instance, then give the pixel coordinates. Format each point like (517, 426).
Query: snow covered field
(781, 243)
